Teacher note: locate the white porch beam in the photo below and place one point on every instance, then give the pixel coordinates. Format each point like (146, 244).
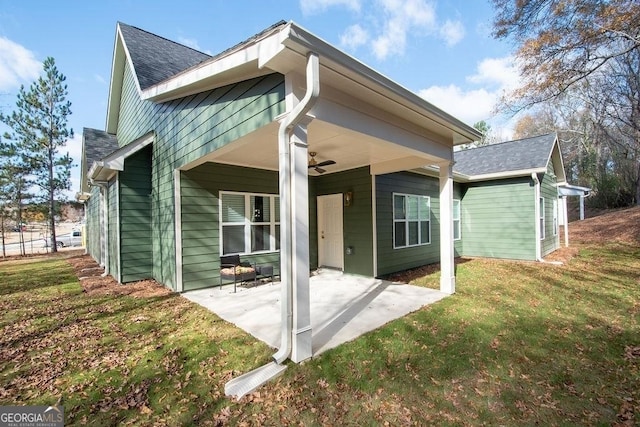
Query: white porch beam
(381, 127)
(447, 263)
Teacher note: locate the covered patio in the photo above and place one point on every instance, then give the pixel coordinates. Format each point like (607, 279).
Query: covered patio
(343, 306)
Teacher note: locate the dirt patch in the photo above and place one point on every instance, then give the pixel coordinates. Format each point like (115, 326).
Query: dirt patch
(621, 226)
(93, 283)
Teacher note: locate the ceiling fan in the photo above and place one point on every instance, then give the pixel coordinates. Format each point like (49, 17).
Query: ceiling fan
(313, 163)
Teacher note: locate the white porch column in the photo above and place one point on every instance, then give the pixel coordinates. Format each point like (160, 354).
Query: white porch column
(581, 207)
(565, 219)
(301, 346)
(447, 265)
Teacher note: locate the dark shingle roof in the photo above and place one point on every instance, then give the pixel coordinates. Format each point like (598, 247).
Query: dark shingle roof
(155, 58)
(522, 154)
(97, 145)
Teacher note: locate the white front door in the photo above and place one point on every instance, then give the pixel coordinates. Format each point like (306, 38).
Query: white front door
(330, 236)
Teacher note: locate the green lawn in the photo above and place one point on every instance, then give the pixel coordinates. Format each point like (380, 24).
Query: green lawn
(518, 344)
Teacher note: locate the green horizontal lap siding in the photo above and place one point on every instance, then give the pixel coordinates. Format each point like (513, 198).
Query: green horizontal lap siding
(200, 189)
(498, 219)
(357, 218)
(93, 224)
(185, 130)
(114, 268)
(135, 217)
(392, 260)
(549, 191)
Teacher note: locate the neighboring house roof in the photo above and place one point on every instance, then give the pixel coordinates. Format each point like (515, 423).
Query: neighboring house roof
(96, 144)
(512, 158)
(155, 58)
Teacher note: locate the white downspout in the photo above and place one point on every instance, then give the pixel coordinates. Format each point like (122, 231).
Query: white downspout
(286, 256)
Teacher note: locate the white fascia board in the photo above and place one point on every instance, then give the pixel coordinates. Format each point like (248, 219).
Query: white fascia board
(503, 175)
(257, 53)
(303, 38)
(556, 152)
(104, 169)
(120, 56)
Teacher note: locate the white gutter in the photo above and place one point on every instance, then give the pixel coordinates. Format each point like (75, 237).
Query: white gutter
(286, 255)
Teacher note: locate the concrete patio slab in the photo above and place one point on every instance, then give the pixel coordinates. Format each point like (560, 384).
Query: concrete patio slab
(343, 306)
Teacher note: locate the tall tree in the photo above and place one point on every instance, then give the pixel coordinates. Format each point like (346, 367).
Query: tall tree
(595, 44)
(39, 132)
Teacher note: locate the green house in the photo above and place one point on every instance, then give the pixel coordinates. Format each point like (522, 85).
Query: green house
(288, 152)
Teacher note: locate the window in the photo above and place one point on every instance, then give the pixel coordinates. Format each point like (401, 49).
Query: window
(456, 219)
(250, 223)
(555, 217)
(542, 219)
(411, 220)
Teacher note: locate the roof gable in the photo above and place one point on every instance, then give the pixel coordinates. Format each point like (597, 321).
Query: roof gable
(155, 58)
(509, 158)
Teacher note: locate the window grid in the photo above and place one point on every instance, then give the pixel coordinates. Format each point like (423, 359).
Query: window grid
(542, 225)
(456, 220)
(253, 219)
(411, 220)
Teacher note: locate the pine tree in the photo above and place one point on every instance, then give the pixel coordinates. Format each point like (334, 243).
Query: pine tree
(39, 132)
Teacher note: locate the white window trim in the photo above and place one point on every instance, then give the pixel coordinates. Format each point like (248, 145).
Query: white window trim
(393, 200)
(459, 220)
(247, 223)
(555, 218)
(542, 219)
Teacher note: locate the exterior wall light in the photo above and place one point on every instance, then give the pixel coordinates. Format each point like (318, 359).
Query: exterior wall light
(348, 198)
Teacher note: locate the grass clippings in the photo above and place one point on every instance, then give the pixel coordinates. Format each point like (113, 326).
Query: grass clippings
(518, 344)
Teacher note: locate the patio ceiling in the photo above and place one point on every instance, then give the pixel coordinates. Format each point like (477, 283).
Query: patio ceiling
(348, 148)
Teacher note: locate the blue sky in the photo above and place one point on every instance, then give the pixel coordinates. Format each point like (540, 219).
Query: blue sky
(440, 49)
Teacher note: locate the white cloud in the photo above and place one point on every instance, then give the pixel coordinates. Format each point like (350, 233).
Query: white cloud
(18, 65)
(354, 37)
(193, 44)
(500, 72)
(98, 78)
(495, 76)
(309, 7)
(402, 17)
(469, 106)
(452, 32)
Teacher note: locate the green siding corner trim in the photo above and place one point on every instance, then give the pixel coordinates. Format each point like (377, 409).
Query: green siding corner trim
(498, 219)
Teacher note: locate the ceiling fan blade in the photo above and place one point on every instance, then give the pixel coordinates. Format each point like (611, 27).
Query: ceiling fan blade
(319, 170)
(327, 163)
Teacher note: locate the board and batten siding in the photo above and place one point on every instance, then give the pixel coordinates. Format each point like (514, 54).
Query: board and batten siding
(498, 219)
(392, 260)
(135, 217)
(357, 218)
(549, 192)
(93, 224)
(185, 130)
(200, 221)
